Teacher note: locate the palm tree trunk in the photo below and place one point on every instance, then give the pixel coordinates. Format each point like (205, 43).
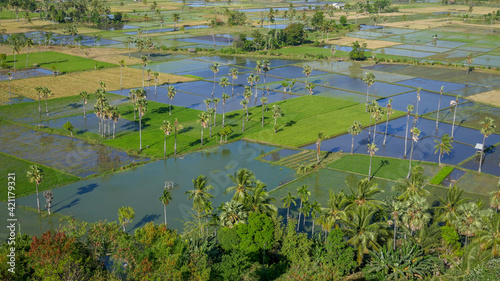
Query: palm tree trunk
(247, 113)
(213, 89)
(369, 130)
(46, 106)
(312, 229)
(298, 222)
(406, 136)
(215, 115)
(14, 61)
(439, 107)
(352, 145)
(287, 213)
(37, 198)
(169, 107)
(165, 147)
(374, 131)
(201, 135)
(175, 142)
(39, 106)
(482, 152)
(370, 169)
(386, 125)
(232, 87)
(439, 157)
(367, 89)
(243, 124)
(223, 113)
(27, 58)
(143, 77)
(84, 115)
(411, 158)
(121, 79)
(114, 129)
(140, 130)
(155, 87)
(395, 232)
(262, 115)
(275, 125)
(165, 213)
(453, 126)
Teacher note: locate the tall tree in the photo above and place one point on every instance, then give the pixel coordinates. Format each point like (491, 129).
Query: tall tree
(125, 216)
(200, 194)
(276, 114)
(167, 129)
(244, 103)
(144, 64)
(409, 109)
(115, 116)
(49, 196)
(443, 146)
(233, 72)
(156, 78)
(303, 194)
(171, 95)
(247, 95)
(232, 213)
(355, 129)
(85, 97)
(216, 101)
(142, 108)
(307, 71)
(244, 182)
(204, 119)
(439, 106)
(369, 80)
(415, 134)
(413, 186)
(266, 66)
(288, 200)
(121, 63)
(36, 175)
(225, 97)
(372, 148)
(263, 100)
(321, 136)
(215, 70)
(488, 128)
(39, 89)
(388, 112)
(454, 104)
(260, 202)
(416, 215)
(362, 195)
(447, 209)
(315, 211)
(165, 200)
(46, 93)
(29, 44)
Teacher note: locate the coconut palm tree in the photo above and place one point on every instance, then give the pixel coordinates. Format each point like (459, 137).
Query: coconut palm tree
(232, 213)
(225, 97)
(369, 80)
(305, 210)
(259, 201)
(156, 78)
(388, 112)
(233, 72)
(362, 195)
(167, 129)
(413, 186)
(355, 129)
(216, 101)
(204, 120)
(415, 134)
(165, 200)
(244, 103)
(200, 195)
(177, 127)
(439, 106)
(215, 70)
(171, 95)
(36, 175)
(321, 136)
(46, 93)
(454, 104)
(409, 109)
(488, 128)
(288, 200)
(247, 95)
(443, 146)
(363, 231)
(224, 82)
(121, 63)
(144, 64)
(303, 194)
(263, 100)
(142, 104)
(372, 148)
(447, 209)
(85, 97)
(244, 182)
(315, 211)
(276, 114)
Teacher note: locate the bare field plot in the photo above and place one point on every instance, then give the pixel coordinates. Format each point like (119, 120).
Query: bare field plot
(491, 97)
(371, 44)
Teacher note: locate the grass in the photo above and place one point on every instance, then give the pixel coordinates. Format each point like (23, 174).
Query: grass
(65, 63)
(52, 179)
(382, 167)
(441, 175)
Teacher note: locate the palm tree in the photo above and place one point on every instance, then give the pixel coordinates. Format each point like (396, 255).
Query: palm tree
(215, 70)
(171, 95)
(471, 219)
(363, 231)
(266, 66)
(40, 91)
(175, 18)
(115, 116)
(167, 129)
(129, 41)
(216, 101)
(260, 202)
(372, 148)
(369, 108)
(307, 71)
(489, 238)
(234, 75)
(200, 195)
(396, 208)
(388, 112)
(36, 175)
(46, 93)
(263, 100)
(211, 112)
(204, 119)
(224, 82)
(495, 199)
(487, 129)
(369, 80)
(413, 186)
(15, 44)
(443, 146)
(144, 64)
(248, 95)
(177, 127)
(315, 211)
(225, 97)
(415, 134)
(363, 194)
(232, 213)
(244, 181)
(256, 79)
(409, 109)
(439, 106)
(142, 104)
(156, 77)
(99, 106)
(85, 97)
(355, 129)
(148, 71)
(208, 102)
(165, 200)
(303, 194)
(10, 78)
(250, 80)
(447, 209)
(321, 136)
(276, 114)
(454, 104)
(121, 63)
(377, 113)
(29, 43)
(305, 210)
(288, 200)
(243, 103)
(418, 100)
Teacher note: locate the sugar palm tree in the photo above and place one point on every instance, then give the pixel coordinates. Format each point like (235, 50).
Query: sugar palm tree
(307, 71)
(413, 186)
(85, 97)
(9, 74)
(454, 104)
(233, 72)
(225, 97)
(377, 113)
(207, 102)
(447, 209)
(115, 116)
(495, 199)
(121, 63)
(211, 112)
(247, 95)
(29, 43)
(471, 219)
(288, 200)
(142, 108)
(396, 208)
(362, 195)
(171, 95)
(204, 119)
(16, 44)
(372, 148)
(251, 80)
(232, 213)
(148, 72)
(130, 40)
(418, 101)
(355, 129)
(215, 70)
(46, 93)
(363, 231)
(276, 114)
(409, 109)
(321, 136)
(443, 146)
(36, 175)
(40, 91)
(165, 200)
(244, 103)
(369, 108)
(156, 78)
(415, 134)
(416, 215)
(144, 64)
(99, 106)
(260, 202)
(266, 66)
(167, 129)
(488, 128)
(243, 181)
(369, 80)
(256, 79)
(216, 101)
(388, 112)
(489, 238)
(224, 82)
(263, 100)
(303, 194)
(177, 127)
(439, 106)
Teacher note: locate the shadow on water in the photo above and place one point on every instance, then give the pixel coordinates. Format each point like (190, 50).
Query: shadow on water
(69, 205)
(147, 218)
(86, 189)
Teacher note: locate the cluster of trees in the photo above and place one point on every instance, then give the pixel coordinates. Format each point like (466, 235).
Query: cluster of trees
(400, 238)
(379, 6)
(293, 34)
